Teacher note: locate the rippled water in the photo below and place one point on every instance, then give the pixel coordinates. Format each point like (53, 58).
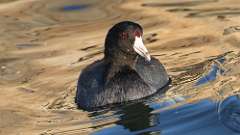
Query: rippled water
(212, 74)
(45, 44)
(173, 116)
(170, 116)
(196, 118)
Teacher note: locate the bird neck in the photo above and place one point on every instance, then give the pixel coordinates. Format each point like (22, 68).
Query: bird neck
(123, 61)
(121, 58)
(118, 64)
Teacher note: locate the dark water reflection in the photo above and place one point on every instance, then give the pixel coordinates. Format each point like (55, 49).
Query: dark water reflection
(136, 117)
(206, 117)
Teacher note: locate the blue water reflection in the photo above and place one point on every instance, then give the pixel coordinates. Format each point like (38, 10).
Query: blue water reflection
(201, 118)
(74, 7)
(212, 74)
(229, 113)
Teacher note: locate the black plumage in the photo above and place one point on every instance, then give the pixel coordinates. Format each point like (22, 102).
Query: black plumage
(122, 75)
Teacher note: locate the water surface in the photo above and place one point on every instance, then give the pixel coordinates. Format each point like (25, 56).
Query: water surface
(45, 44)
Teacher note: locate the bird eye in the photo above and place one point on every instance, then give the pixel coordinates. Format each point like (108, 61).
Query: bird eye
(137, 33)
(124, 35)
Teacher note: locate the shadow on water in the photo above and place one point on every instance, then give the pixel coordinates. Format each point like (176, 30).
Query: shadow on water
(190, 119)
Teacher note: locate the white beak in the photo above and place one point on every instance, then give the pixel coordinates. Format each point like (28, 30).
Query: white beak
(141, 49)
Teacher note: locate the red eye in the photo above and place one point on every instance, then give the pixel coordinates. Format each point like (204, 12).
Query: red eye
(137, 33)
(124, 35)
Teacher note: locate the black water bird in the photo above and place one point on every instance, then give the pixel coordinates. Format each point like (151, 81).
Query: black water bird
(127, 71)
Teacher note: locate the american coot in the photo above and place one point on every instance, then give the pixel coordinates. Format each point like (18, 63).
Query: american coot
(127, 71)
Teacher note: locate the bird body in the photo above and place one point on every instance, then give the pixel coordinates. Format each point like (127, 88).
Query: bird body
(127, 72)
